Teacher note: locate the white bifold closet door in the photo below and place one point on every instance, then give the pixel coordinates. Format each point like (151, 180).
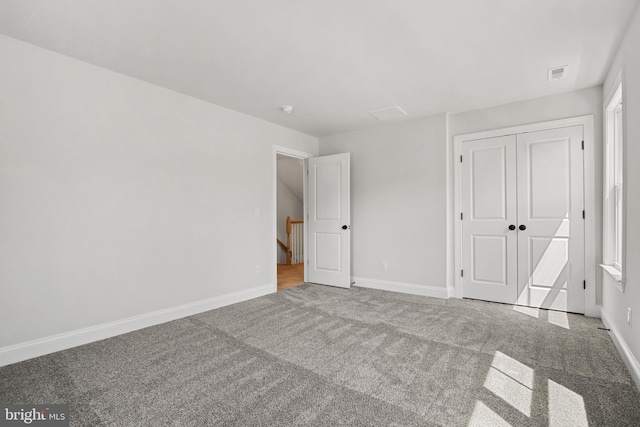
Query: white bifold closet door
(523, 225)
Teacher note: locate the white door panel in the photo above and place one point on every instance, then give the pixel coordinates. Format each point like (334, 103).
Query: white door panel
(488, 193)
(327, 188)
(550, 194)
(329, 220)
(489, 182)
(327, 249)
(489, 259)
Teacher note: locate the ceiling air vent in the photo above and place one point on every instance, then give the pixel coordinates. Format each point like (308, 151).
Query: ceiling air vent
(556, 73)
(388, 113)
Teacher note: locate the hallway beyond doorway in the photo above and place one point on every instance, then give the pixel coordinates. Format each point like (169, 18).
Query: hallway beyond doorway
(290, 275)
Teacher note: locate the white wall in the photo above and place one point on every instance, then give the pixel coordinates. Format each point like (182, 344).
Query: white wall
(121, 198)
(615, 303)
(572, 104)
(288, 205)
(398, 203)
(290, 171)
(399, 185)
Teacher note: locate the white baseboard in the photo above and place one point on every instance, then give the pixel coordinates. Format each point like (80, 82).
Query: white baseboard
(27, 350)
(404, 288)
(624, 350)
(451, 292)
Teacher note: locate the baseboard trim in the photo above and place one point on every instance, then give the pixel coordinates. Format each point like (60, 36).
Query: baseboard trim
(624, 350)
(401, 287)
(451, 292)
(40, 347)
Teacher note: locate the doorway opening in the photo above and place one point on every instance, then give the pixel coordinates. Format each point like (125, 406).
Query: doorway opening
(325, 223)
(290, 210)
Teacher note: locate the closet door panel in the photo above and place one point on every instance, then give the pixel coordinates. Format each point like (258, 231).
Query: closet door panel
(551, 227)
(489, 246)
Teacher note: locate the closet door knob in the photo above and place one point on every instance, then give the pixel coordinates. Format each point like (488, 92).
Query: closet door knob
(512, 227)
(523, 227)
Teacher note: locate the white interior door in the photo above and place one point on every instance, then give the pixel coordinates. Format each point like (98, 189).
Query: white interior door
(550, 219)
(329, 223)
(523, 225)
(489, 208)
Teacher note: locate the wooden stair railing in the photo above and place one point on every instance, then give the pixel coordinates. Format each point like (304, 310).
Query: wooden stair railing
(287, 247)
(286, 250)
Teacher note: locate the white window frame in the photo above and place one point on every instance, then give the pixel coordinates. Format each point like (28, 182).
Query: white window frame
(614, 200)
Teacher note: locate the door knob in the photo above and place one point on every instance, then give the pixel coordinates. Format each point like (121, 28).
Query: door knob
(344, 227)
(523, 227)
(512, 227)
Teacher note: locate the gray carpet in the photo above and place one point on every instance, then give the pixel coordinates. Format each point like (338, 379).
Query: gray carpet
(321, 356)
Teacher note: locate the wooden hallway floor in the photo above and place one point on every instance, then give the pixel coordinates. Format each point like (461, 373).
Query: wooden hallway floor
(290, 275)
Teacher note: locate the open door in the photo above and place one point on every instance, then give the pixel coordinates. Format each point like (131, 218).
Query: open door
(329, 220)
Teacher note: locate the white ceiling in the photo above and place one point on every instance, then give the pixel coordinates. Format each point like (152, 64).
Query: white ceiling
(335, 60)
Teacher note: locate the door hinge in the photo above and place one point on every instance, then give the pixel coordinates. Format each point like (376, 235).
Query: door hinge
(461, 273)
(461, 216)
(460, 159)
(583, 145)
(583, 214)
(584, 284)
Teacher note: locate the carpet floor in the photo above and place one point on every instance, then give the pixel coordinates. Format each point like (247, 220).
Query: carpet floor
(322, 356)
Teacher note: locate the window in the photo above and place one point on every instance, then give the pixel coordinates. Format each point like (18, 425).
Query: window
(617, 184)
(613, 244)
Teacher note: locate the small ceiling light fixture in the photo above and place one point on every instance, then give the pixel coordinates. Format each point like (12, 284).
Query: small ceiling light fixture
(388, 113)
(287, 109)
(557, 73)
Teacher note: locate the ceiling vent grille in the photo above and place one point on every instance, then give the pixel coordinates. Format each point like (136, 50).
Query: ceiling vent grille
(556, 73)
(388, 113)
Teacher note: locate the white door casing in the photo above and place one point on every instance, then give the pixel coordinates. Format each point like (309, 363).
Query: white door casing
(550, 206)
(533, 181)
(289, 152)
(329, 223)
(489, 194)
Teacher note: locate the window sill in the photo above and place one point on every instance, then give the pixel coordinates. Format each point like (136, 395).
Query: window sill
(615, 274)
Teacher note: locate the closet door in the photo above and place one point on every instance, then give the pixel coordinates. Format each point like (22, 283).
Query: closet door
(550, 219)
(489, 247)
